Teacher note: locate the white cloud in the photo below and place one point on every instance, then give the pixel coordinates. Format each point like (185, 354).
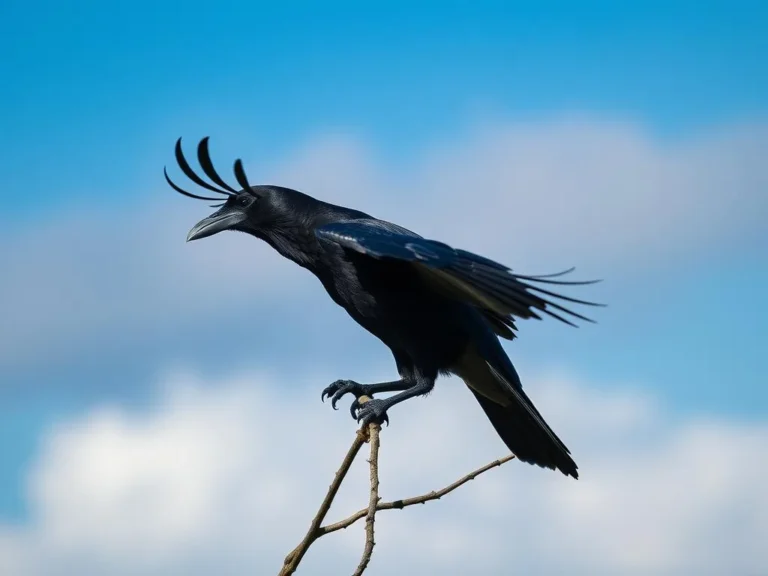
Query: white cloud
(538, 197)
(224, 479)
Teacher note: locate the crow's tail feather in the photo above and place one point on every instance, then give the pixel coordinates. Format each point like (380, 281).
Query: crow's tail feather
(528, 437)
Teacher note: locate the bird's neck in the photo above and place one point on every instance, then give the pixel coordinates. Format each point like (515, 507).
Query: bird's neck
(299, 246)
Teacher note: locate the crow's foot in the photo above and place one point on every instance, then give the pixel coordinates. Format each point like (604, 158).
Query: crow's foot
(375, 410)
(341, 387)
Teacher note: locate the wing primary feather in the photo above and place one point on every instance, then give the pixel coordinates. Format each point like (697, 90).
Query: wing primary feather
(558, 282)
(521, 288)
(499, 324)
(518, 305)
(561, 297)
(544, 278)
(507, 278)
(554, 275)
(510, 293)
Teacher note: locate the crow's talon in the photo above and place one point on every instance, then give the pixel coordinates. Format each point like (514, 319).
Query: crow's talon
(339, 388)
(375, 410)
(354, 406)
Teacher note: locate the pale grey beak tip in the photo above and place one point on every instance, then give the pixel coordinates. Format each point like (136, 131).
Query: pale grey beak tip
(214, 224)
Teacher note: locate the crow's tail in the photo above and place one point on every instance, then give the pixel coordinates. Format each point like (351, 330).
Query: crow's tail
(496, 385)
(525, 433)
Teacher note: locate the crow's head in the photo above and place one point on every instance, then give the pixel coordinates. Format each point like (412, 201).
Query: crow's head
(252, 209)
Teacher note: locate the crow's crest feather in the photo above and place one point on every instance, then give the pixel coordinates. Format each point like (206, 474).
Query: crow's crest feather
(204, 159)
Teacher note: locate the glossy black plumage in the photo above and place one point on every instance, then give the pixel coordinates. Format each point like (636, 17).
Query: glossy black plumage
(440, 310)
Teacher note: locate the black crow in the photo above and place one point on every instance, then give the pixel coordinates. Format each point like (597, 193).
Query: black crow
(440, 310)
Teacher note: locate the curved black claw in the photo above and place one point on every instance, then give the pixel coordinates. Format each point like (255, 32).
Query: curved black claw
(341, 387)
(375, 410)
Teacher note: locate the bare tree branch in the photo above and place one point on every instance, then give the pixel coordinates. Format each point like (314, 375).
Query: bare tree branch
(291, 561)
(404, 503)
(373, 500)
(317, 530)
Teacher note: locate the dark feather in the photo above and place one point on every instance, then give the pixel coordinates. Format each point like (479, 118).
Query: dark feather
(185, 167)
(242, 179)
(204, 157)
(487, 284)
(182, 191)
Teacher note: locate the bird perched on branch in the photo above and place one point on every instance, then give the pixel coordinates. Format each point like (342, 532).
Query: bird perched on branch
(440, 310)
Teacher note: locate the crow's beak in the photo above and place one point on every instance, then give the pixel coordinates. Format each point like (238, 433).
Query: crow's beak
(214, 224)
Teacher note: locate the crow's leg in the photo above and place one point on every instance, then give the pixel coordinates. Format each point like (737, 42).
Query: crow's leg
(341, 387)
(376, 409)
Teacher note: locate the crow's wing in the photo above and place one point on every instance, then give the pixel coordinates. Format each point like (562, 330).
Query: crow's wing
(493, 288)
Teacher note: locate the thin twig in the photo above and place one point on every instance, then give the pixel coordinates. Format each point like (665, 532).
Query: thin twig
(400, 504)
(291, 561)
(373, 500)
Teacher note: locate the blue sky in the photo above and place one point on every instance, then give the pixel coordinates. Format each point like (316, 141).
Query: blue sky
(96, 94)
(108, 81)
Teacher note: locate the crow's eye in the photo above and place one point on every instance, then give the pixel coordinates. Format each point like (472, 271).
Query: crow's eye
(242, 200)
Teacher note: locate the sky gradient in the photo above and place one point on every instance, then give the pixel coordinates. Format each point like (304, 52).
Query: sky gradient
(627, 141)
